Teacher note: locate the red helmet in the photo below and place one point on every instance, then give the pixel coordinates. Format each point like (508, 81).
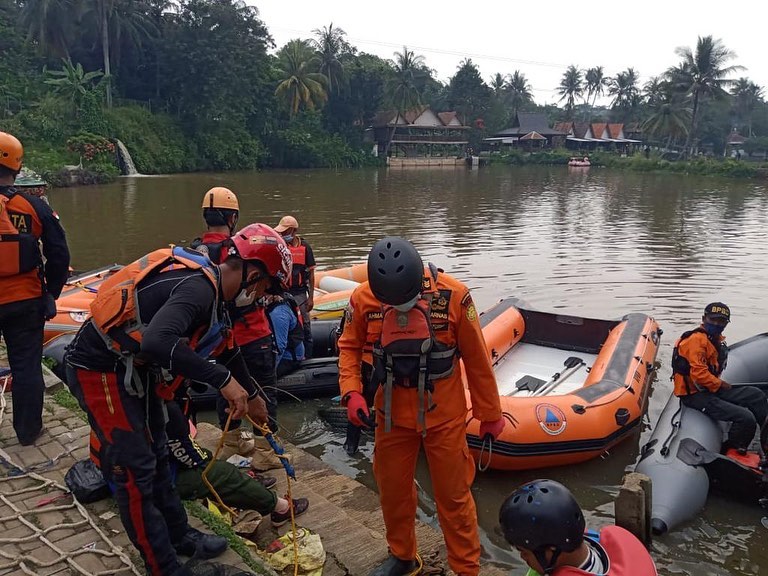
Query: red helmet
(259, 242)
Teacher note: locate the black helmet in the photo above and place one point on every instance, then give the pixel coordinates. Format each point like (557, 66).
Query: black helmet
(395, 271)
(543, 514)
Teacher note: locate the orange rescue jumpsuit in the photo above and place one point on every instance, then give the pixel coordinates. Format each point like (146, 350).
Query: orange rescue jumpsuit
(454, 321)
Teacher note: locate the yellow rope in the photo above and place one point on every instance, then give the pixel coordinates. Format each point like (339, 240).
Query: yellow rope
(265, 430)
(210, 464)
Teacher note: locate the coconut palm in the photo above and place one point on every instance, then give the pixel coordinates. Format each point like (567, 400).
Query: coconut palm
(595, 83)
(329, 45)
(570, 87)
(702, 74)
(408, 68)
(49, 23)
(519, 91)
(625, 92)
(498, 84)
(299, 87)
(670, 112)
(747, 95)
(117, 22)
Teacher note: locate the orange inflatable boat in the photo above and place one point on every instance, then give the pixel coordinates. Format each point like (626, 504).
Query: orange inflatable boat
(73, 306)
(570, 387)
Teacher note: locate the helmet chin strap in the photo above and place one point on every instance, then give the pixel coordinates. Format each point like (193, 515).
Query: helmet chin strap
(541, 556)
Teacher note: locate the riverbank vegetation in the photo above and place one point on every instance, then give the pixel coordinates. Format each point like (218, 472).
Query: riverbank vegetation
(200, 85)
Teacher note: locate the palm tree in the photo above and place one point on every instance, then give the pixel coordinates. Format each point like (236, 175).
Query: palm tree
(115, 20)
(570, 87)
(49, 23)
(702, 74)
(299, 86)
(520, 91)
(625, 92)
(403, 90)
(595, 82)
(747, 95)
(670, 113)
(329, 45)
(498, 84)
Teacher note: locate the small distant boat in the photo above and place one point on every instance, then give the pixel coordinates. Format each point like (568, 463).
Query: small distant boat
(576, 162)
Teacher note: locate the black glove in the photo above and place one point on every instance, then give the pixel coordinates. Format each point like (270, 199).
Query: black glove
(49, 306)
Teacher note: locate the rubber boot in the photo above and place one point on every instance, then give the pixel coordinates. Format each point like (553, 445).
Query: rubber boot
(196, 544)
(393, 566)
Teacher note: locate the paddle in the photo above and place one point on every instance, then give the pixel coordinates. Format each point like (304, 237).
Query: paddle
(572, 364)
(694, 454)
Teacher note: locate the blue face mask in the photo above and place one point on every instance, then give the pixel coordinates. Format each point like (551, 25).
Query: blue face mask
(713, 329)
(288, 238)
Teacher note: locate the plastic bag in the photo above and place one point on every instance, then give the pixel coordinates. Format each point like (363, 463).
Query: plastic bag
(311, 553)
(86, 482)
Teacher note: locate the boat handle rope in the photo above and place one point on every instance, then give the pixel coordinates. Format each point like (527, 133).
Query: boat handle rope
(290, 473)
(675, 427)
(488, 441)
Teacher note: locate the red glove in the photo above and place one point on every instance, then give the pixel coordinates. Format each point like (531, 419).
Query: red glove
(492, 429)
(357, 410)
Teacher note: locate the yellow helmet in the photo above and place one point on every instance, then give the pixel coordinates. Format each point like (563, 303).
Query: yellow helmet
(220, 197)
(11, 151)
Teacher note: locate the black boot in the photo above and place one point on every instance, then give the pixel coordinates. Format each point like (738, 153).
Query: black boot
(201, 545)
(393, 566)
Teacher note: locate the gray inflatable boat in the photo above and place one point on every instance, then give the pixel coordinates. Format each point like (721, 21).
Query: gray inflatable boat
(684, 440)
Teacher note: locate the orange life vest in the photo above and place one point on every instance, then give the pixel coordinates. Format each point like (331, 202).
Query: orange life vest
(116, 315)
(19, 248)
(299, 257)
(626, 555)
(407, 354)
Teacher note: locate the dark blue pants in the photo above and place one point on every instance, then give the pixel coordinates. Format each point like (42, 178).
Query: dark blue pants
(21, 325)
(745, 407)
(134, 455)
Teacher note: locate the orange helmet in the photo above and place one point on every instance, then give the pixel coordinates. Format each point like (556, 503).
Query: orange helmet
(259, 242)
(220, 197)
(11, 151)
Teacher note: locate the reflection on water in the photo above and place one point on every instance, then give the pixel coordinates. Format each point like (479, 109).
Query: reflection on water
(596, 243)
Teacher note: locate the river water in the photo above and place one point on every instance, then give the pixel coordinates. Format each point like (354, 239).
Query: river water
(591, 242)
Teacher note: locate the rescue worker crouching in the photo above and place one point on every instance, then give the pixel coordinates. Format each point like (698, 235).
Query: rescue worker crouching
(545, 523)
(28, 288)
(165, 314)
(303, 280)
(221, 211)
(698, 359)
(411, 325)
(288, 330)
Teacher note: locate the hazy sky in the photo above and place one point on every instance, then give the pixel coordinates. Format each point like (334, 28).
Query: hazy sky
(538, 37)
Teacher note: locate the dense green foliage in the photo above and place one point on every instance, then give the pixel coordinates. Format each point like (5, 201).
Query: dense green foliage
(199, 85)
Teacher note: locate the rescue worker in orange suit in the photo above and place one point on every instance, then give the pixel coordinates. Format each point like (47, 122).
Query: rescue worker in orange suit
(28, 287)
(250, 325)
(698, 359)
(412, 325)
(545, 523)
(153, 324)
(303, 282)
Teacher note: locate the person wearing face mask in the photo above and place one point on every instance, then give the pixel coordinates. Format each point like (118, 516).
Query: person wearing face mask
(154, 324)
(250, 325)
(303, 281)
(411, 324)
(698, 359)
